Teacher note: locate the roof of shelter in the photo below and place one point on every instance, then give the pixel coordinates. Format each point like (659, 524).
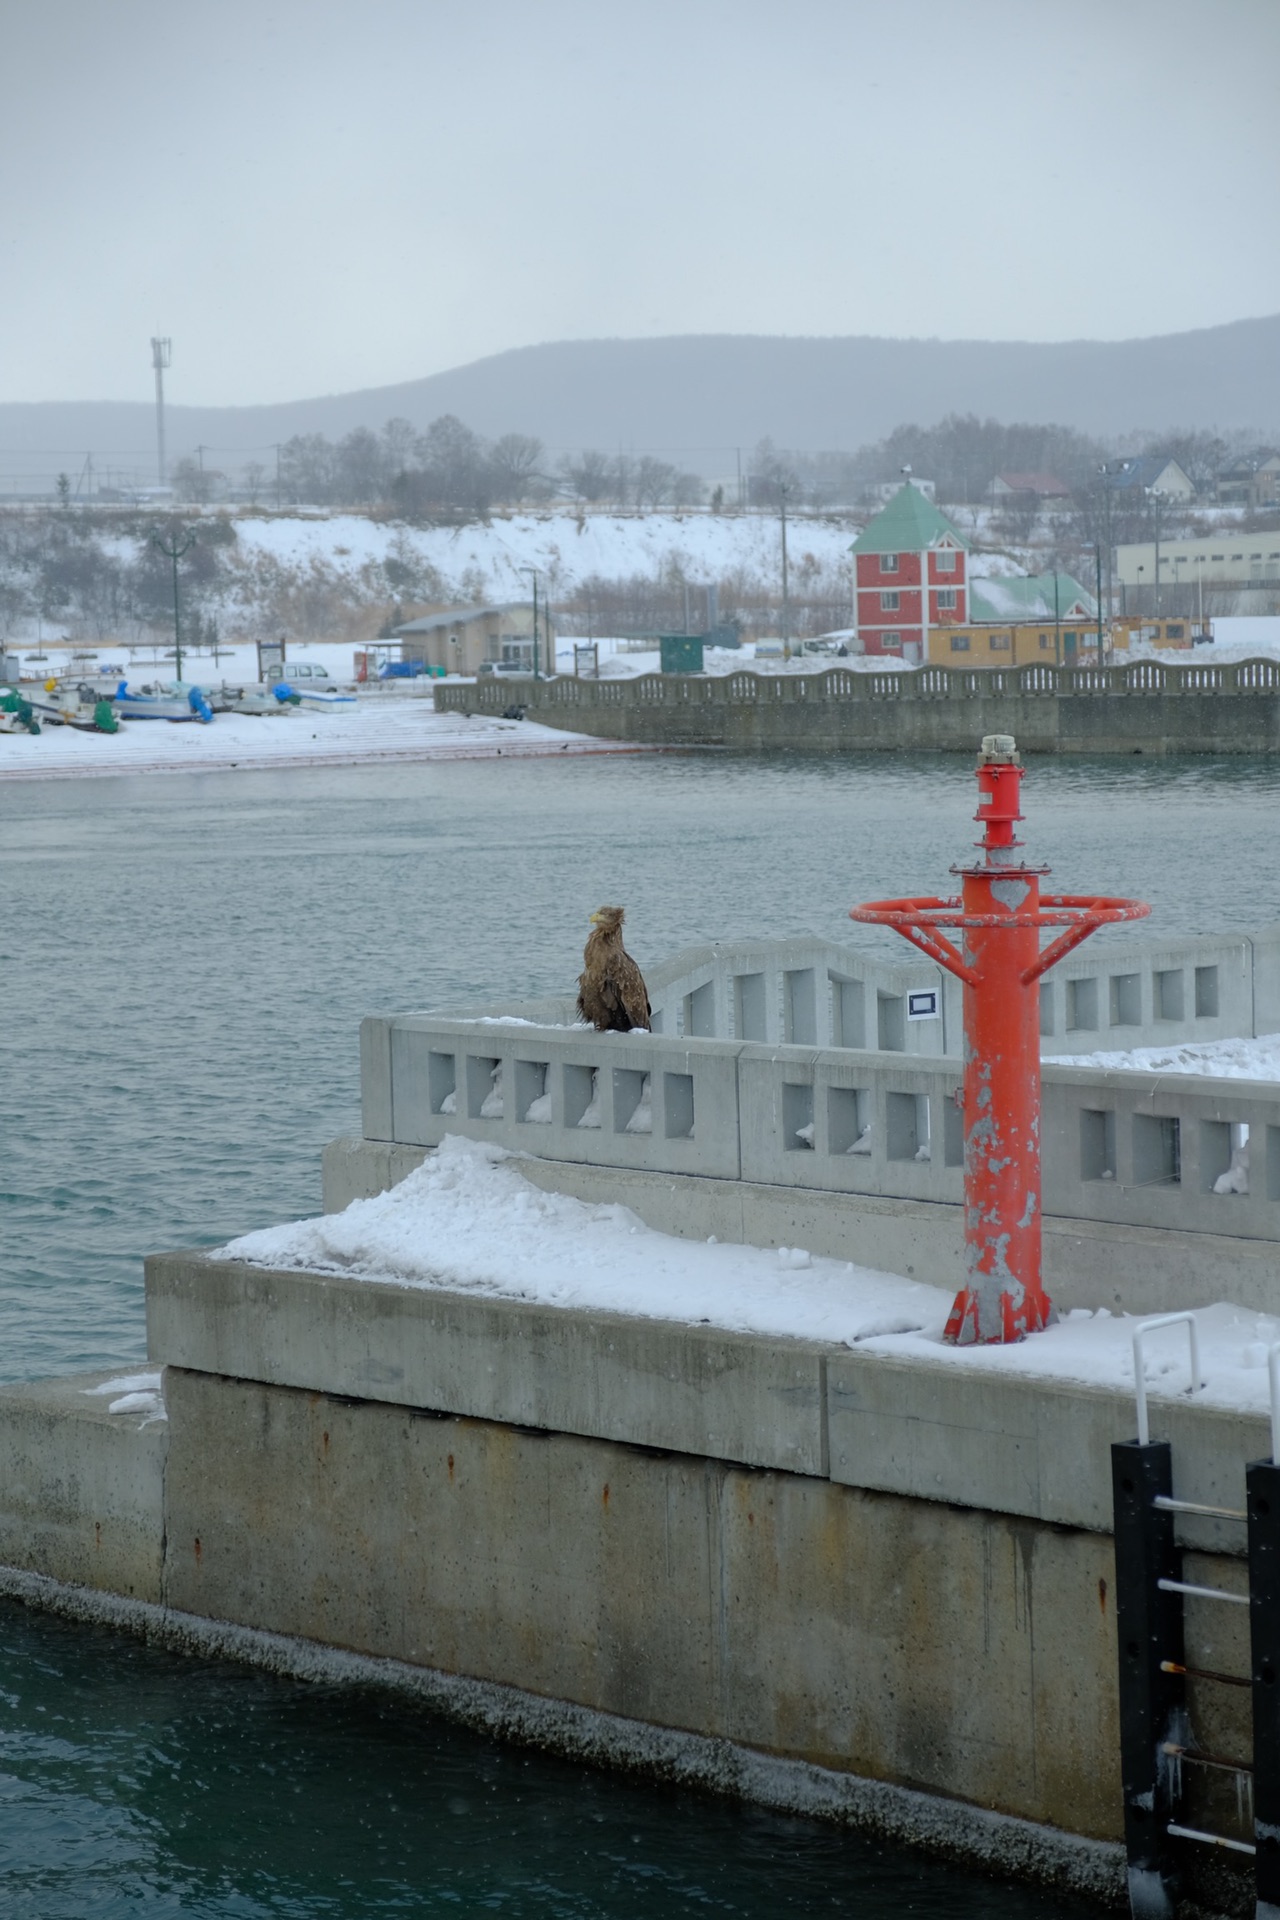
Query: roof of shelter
(458, 617)
(908, 524)
(1029, 597)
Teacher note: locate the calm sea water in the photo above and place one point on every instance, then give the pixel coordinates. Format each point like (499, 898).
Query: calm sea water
(184, 962)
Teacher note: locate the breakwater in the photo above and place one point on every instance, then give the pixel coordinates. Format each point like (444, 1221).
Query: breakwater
(1145, 707)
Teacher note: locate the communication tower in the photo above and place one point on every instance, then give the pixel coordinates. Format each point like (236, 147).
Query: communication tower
(161, 352)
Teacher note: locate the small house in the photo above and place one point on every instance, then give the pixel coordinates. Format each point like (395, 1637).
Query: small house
(463, 639)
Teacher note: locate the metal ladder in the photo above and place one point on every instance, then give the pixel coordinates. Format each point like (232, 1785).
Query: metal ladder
(1155, 1735)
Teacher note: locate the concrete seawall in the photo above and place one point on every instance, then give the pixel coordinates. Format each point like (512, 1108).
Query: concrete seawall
(1145, 708)
(714, 1557)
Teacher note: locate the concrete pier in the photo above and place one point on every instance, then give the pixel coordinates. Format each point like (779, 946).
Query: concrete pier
(1146, 708)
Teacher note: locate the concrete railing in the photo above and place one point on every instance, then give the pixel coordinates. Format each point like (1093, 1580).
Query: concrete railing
(814, 992)
(748, 688)
(1137, 1149)
(803, 992)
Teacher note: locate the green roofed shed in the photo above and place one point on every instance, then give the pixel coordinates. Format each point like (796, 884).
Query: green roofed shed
(1029, 597)
(909, 524)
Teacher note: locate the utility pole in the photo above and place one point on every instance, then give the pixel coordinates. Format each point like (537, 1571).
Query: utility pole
(161, 354)
(533, 574)
(1156, 497)
(784, 488)
(173, 550)
(1097, 580)
(1106, 517)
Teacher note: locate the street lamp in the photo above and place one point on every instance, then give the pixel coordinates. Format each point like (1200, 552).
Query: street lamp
(1155, 496)
(174, 551)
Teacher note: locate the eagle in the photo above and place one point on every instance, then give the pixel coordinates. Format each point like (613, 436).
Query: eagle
(611, 990)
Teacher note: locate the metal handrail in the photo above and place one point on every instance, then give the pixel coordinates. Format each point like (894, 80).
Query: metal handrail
(1140, 1368)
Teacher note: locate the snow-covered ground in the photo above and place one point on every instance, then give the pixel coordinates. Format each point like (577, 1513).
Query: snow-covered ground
(468, 1219)
(1235, 637)
(372, 730)
(566, 547)
(1222, 1059)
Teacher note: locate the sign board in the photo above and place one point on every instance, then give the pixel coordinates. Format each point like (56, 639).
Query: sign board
(923, 1005)
(270, 659)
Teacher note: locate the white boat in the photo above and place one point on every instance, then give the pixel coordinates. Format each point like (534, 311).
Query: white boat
(174, 701)
(74, 705)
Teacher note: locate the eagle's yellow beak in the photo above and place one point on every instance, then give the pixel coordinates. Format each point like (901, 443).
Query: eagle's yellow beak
(595, 918)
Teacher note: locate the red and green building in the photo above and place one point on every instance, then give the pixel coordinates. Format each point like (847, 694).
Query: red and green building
(911, 574)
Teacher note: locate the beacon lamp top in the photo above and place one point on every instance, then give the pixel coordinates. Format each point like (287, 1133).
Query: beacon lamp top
(999, 789)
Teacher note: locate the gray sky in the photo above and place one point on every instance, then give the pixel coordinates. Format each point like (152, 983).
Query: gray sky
(312, 196)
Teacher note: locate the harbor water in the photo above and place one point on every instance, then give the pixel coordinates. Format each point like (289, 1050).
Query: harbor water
(185, 961)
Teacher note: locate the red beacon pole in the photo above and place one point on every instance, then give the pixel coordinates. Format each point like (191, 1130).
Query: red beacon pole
(1000, 913)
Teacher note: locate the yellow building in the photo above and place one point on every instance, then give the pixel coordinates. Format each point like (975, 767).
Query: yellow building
(1016, 620)
(1173, 632)
(979, 645)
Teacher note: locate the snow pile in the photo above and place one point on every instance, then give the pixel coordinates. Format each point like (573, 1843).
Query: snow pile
(1222, 1059)
(132, 1393)
(468, 1220)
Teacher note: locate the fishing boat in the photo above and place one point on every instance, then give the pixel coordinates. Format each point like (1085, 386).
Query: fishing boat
(299, 694)
(174, 701)
(80, 706)
(247, 699)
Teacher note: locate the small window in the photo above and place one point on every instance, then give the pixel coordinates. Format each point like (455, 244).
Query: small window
(1217, 556)
(889, 602)
(888, 563)
(1237, 556)
(946, 560)
(999, 643)
(959, 643)
(891, 641)
(947, 600)
(1046, 642)
(1175, 630)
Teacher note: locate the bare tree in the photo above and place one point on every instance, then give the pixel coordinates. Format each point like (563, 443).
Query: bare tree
(359, 473)
(515, 460)
(655, 482)
(587, 474)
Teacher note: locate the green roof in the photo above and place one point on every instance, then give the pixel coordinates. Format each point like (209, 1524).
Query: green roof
(909, 524)
(1028, 597)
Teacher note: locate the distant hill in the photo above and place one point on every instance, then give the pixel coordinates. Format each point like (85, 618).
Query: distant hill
(698, 397)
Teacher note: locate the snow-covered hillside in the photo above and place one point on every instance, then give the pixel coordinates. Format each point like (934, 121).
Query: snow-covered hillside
(491, 559)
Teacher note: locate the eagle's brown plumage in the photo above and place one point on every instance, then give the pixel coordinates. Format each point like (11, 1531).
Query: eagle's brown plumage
(611, 990)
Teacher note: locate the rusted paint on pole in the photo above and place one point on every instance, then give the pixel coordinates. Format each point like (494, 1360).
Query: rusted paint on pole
(1000, 913)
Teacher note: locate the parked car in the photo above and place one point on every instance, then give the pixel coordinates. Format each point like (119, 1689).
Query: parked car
(303, 670)
(506, 669)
